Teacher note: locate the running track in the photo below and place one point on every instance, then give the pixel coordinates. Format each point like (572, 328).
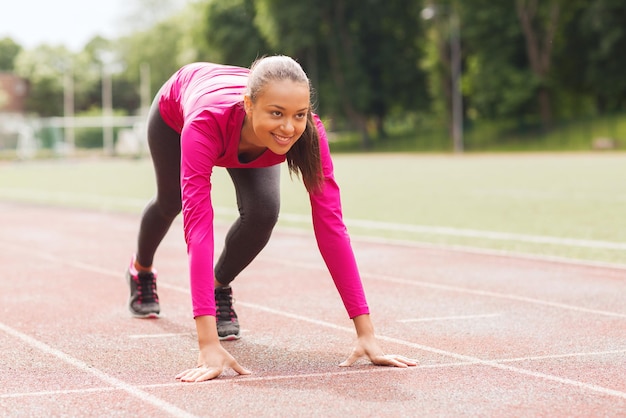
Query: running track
(495, 335)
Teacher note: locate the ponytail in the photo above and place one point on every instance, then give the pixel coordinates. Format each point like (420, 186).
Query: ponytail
(303, 159)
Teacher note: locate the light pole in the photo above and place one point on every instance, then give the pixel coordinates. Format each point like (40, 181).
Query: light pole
(455, 73)
(107, 110)
(107, 61)
(68, 110)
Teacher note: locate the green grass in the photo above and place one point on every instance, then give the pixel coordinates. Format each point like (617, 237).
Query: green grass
(576, 196)
(423, 133)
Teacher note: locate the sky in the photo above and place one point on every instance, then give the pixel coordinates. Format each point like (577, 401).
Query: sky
(72, 23)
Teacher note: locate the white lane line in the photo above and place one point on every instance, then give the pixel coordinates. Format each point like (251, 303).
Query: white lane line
(80, 365)
(498, 295)
(170, 335)
(240, 380)
(547, 195)
(467, 233)
(448, 318)
(557, 356)
(390, 279)
(106, 203)
(59, 392)
(487, 251)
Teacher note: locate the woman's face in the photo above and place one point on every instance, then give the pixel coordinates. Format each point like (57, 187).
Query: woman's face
(278, 117)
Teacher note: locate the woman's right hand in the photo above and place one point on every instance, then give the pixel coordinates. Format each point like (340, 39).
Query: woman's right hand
(212, 361)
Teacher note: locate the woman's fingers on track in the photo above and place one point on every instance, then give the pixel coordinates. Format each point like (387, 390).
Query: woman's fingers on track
(404, 360)
(199, 374)
(202, 373)
(239, 368)
(394, 360)
(351, 359)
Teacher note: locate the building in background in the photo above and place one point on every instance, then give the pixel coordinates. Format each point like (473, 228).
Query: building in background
(15, 133)
(13, 92)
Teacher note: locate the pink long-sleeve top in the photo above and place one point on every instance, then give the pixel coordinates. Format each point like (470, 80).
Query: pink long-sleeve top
(203, 102)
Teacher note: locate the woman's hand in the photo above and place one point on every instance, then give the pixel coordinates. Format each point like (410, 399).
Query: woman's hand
(367, 346)
(212, 361)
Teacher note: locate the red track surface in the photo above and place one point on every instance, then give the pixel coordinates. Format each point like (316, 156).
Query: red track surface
(495, 336)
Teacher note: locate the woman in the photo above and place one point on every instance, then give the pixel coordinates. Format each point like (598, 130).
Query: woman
(248, 121)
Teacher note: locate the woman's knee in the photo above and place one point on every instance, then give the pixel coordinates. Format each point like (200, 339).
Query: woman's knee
(168, 207)
(262, 216)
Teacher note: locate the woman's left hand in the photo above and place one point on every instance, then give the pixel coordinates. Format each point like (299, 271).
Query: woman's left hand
(369, 347)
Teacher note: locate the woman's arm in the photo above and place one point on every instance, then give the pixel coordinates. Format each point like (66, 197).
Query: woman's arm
(332, 236)
(198, 155)
(336, 249)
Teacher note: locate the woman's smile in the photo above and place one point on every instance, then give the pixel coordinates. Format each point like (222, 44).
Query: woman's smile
(282, 140)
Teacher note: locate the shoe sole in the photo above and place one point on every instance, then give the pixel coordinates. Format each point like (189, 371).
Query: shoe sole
(152, 315)
(149, 315)
(232, 337)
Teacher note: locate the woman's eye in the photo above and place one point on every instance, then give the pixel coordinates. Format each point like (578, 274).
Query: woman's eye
(301, 115)
(276, 113)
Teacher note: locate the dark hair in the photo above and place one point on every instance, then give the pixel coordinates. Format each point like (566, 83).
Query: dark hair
(303, 159)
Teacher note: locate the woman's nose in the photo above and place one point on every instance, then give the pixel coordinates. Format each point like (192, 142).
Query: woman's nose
(288, 127)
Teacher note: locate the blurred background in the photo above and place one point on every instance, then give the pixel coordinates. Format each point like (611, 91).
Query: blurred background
(389, 75)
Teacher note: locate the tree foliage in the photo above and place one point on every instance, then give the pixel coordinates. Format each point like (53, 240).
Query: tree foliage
(9, 50)
(497, 82)
(230, 35)
(46, 93)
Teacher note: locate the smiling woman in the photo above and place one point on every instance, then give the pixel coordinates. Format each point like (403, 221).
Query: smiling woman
(247, 121)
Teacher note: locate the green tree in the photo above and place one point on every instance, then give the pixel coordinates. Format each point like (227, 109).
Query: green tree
(44, 67)
(229, 35)
(497, 82)
(391, 59)
(577, 68)
(539, 22)
(590, 63)
(9, 50)
(87, 71)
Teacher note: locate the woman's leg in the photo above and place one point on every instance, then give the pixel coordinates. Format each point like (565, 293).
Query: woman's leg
(157, 217)
(258, 200)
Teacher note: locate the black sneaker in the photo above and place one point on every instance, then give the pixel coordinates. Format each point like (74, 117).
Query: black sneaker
(225, 316)
(143, 301)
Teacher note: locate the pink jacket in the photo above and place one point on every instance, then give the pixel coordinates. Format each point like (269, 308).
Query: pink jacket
(203, 102)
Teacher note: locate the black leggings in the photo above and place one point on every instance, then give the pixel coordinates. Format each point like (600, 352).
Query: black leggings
(258, 201)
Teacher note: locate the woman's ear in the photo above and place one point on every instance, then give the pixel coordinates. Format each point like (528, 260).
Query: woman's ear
(247, 103)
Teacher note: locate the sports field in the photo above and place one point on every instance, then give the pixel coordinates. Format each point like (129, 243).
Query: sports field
(549, 205)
